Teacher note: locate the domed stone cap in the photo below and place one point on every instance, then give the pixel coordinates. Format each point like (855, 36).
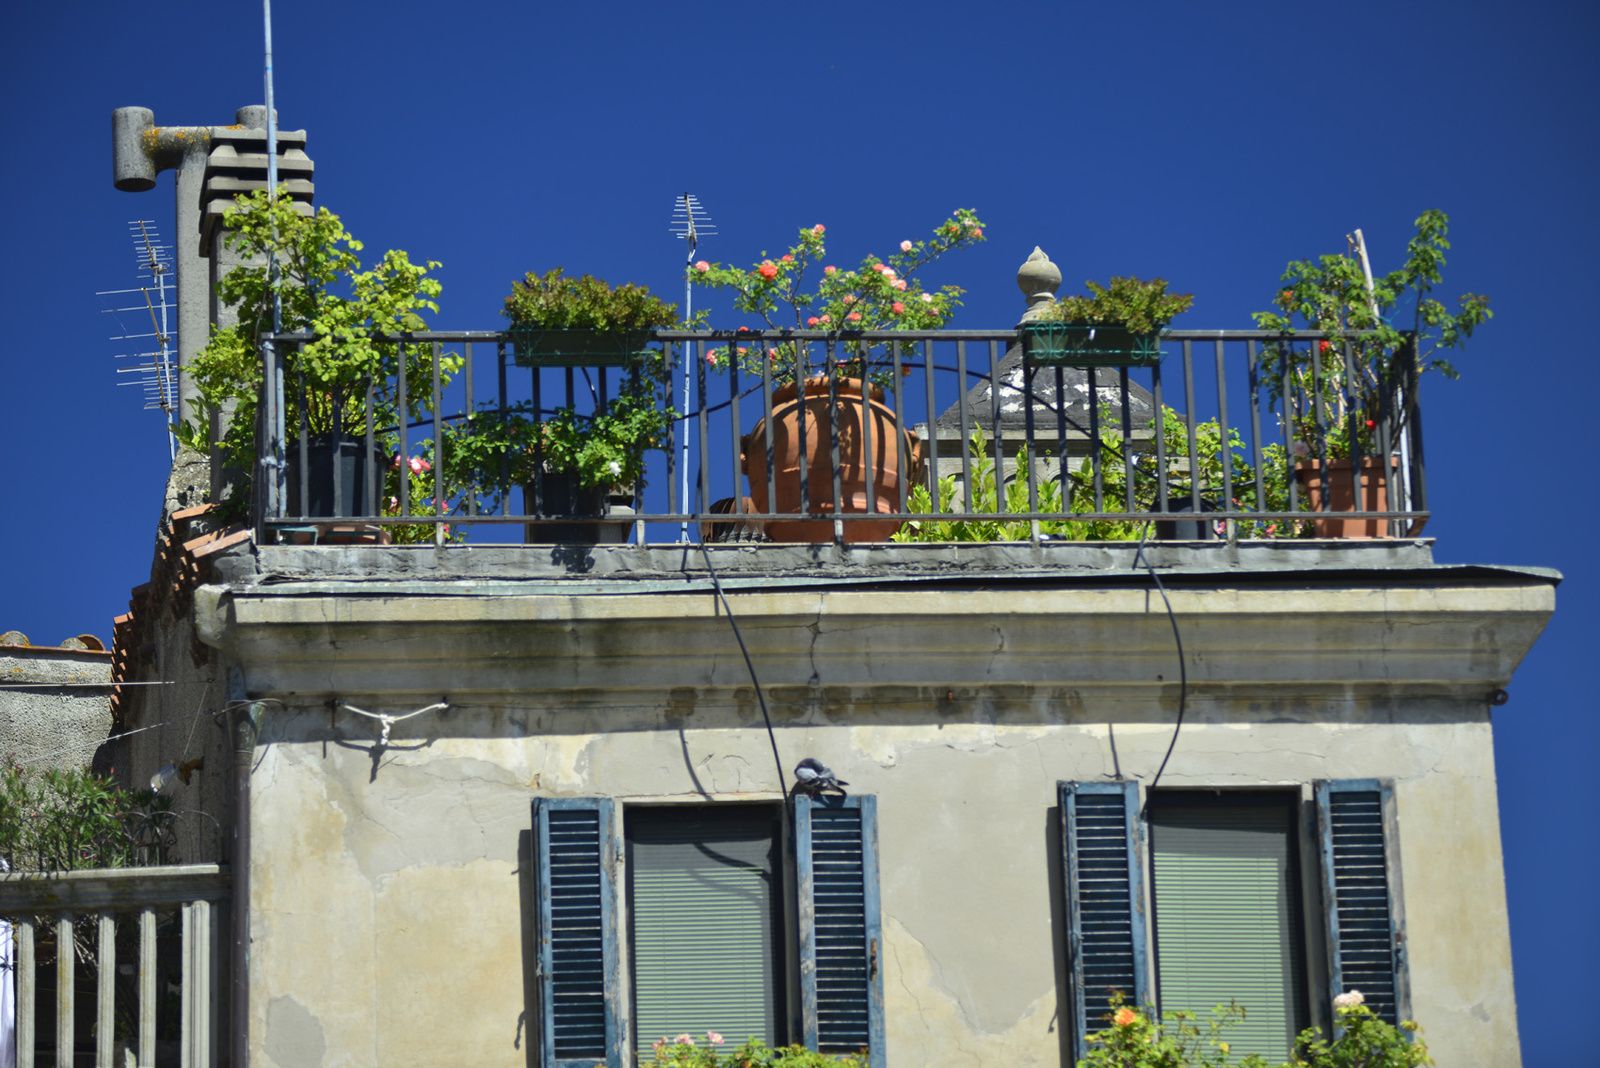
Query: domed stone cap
(1038, 279)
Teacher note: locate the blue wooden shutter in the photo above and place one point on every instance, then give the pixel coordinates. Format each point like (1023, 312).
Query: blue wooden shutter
(841, 986)
(1105, 907)
(578, 977)
(1361, 894)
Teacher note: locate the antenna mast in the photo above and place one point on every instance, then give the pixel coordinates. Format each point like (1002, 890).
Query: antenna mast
(159, 378)
(689, 222)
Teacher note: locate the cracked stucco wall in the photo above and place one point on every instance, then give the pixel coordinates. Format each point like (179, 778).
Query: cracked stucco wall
(391, 924)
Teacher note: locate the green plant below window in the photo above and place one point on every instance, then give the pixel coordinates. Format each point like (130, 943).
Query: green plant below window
(1134, 1039)
(684, 1052)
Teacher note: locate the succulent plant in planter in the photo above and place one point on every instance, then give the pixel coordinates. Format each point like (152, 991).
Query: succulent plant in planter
(562, 321)
(1115, 326)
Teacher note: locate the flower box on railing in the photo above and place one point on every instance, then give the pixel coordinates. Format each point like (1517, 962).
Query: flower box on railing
(557, 346)
(1081, 345)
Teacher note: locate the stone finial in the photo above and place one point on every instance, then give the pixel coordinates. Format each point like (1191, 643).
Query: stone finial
(1038, 279)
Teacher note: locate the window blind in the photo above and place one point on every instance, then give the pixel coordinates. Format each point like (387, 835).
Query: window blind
(1224, 880)
(703, 908)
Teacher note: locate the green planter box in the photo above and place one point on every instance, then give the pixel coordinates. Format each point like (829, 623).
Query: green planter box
(542, 346)
(1077, 345)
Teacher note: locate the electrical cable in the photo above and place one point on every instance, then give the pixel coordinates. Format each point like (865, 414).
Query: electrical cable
(749, 665)
(1183, 672)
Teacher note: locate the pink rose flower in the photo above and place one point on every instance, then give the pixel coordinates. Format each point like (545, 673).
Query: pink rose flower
(827, 319)
(686, 1040)
(713, 1038)
(817, 229)
(849, 298)
(813, 321)
(927, 298)
(905, 246)
(787, 258)
(888, 272)
(975, 232)
(880, 268)
(768, 270)
(830, 270)
(899, 283)
(897, 307)
(702, 266)
(854, 317)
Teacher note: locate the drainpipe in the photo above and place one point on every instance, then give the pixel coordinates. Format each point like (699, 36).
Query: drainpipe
(246, 716)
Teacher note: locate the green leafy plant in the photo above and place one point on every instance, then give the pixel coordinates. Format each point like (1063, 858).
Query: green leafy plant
(62, 819)
(1334, 391)
(554, 299)
(324, 291)
(1135, 1039)
(684, 1052)
(1142, 307)
(493, 449)
(881, 294)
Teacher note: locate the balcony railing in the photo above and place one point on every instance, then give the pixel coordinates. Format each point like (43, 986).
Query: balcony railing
(107, 947)
(1232, 435)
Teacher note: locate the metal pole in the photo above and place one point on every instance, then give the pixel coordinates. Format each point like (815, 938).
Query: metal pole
(691, 243)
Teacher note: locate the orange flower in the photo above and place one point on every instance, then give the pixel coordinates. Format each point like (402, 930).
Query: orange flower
(1124, 1017)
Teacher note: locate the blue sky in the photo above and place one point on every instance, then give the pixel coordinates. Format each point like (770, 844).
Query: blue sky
(1209, 144)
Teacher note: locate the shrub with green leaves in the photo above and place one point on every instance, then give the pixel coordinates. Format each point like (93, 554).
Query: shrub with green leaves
(1143, 307)
(63, 819)
(684, 1052)
(558, 300)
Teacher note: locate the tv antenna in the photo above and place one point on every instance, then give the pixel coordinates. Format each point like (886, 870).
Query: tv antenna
(689, 222)
(157, 375)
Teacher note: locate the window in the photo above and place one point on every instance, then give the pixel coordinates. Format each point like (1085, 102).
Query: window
(719, 868)
(1225, 888)
(705, 914)
(1227, 862)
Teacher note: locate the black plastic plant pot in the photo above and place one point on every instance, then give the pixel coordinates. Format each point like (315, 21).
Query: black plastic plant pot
(549, 346)
(560, 493)
(1081, 345)
(353, 461)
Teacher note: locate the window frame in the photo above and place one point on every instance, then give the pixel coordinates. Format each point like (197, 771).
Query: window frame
(1317, 893)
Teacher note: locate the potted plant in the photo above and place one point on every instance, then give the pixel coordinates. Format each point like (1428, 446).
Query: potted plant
(561, 321)
(328, 379)
(569, 462)
(1338, 393)
(1118, 325)
(881, 294)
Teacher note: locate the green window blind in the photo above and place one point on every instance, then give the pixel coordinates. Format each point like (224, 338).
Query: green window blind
(1225, 884)
(703, 902)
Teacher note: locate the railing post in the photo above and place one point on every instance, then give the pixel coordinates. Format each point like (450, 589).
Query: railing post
(147, 986)
(105, 1028)
(65, 951)
(27, 993)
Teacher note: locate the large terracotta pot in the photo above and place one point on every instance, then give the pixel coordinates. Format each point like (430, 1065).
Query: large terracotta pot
(863, 492)
(1342, 496)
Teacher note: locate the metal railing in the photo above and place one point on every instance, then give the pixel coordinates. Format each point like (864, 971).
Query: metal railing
(170, 919)
(1233, 434)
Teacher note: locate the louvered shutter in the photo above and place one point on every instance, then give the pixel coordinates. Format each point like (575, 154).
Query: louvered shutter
(1105, 905)
(841, 988)
(578, 977)
(1361, 894)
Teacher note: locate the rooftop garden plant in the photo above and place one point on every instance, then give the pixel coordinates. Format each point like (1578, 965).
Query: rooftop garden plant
(322, 290)
(1142, 307)
(883, 293)
(1339, 389)
(684, 1052)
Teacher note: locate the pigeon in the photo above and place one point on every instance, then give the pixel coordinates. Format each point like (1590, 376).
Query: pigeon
(813, 777)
